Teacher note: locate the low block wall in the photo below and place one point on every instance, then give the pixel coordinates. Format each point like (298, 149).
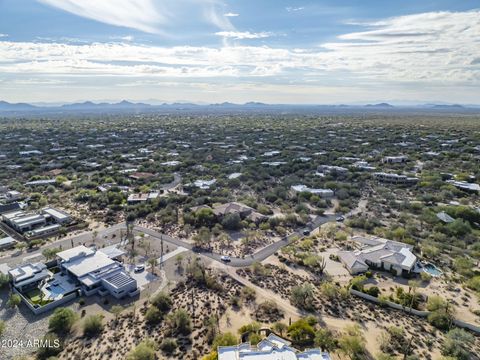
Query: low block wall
(424, 314)
(49, 306)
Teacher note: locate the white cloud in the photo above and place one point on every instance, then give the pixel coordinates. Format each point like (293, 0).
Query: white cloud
(292, 8)
(151, 16)
(143, 15)
(3, 35)
(434, 50)
(231, 14)
(240, 35)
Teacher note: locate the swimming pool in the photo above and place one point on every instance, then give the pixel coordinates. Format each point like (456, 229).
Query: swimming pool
(55, 291)
(432, 270)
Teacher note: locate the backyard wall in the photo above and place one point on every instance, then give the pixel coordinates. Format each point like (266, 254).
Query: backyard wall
(49, 306)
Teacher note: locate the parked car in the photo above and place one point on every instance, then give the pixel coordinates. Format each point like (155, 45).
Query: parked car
(225, 258)
(139, 268)
(306, 232)
(340, 218)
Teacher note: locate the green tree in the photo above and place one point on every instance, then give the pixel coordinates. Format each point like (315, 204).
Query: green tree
(62, 320)
(50, 253)
(162, 302)
(232, 221)
(302, 333)
(224, 339)
(4, 280)
(14, 300)
(325, 340)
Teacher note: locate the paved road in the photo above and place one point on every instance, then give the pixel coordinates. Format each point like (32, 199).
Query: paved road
(65, 243)
(176, 181)
(260, 255)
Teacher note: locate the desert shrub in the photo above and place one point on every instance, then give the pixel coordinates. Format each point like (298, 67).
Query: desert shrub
(162, 302)
(153, 316)
(302, 296)
(248, 293)
(62, 321)
(457, 343)
(325, 340)
(2, 327)
(93, 325)
(373, 291)
(55, 347)
(143, 351)
(180, 322)
(440, 319)
(168, 345)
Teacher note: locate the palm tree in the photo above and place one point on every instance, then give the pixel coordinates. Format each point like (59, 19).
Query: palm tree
(153, 262)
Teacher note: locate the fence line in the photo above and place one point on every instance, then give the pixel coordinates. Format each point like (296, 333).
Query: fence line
(424, 314)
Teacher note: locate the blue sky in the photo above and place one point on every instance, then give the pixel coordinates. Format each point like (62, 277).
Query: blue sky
(240, 50)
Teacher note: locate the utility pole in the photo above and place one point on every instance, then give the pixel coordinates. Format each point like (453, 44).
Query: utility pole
(161, 251)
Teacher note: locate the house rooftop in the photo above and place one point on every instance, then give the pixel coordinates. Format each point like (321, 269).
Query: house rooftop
(75, 252)
(89, 264)
(271, 348)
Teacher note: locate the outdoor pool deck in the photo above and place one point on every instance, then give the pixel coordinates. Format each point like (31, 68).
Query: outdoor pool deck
(56, 288)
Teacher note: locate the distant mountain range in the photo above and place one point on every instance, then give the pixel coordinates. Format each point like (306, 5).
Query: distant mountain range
(126, 106)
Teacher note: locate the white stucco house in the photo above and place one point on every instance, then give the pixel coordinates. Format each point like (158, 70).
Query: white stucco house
(271, 348)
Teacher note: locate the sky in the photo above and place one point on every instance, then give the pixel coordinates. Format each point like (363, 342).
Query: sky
(211, 51)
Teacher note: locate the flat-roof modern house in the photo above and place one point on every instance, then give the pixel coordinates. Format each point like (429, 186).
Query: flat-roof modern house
(96, 272)
(78, 271)
(379, 253)
(41, 182)
(29, 276)
(465, 186)
(48, 221)
(324, 193)
(395, 159)
(332, 169)
(59, 216)
(23, 221)
(271, 348)
(395, 178)
(7, 242)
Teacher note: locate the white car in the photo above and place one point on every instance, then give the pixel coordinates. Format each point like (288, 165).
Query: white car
(225, 258)
(139, 268)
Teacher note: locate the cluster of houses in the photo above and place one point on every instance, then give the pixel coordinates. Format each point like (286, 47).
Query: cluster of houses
(31, 224)
(76, 271)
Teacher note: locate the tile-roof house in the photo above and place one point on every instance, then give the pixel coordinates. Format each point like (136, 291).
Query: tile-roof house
(379, 253)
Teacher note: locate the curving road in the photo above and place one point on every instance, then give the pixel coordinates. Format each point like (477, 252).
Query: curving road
(260, 255)
(86, 237)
